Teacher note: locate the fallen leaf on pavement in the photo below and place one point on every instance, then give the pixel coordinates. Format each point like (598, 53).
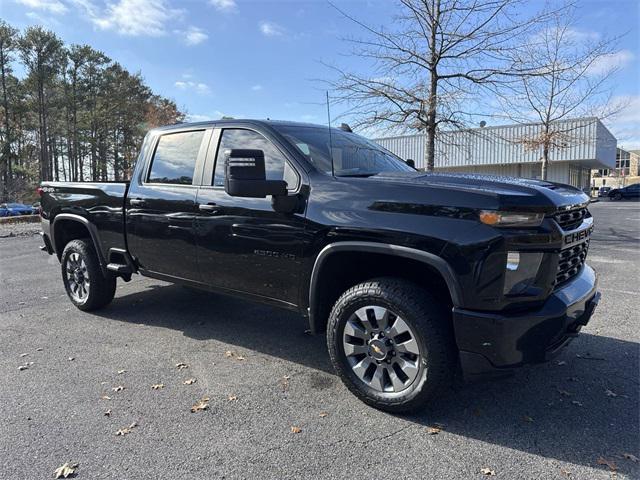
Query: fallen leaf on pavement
(488, 472)
(119, 388)
(23, 354)
(433, 430)
(229, 353)
(23, 367)
(296, 429)
(562, 362)
(71, 359)
(609, 393)
(612, 466)
(107, 413)
(181, 366)
(157, 386)
(323, 414)
(120, 372)
(233, 398)
(284, 383)
(126, 430)
(201, 405)
(105, 397)
(190, 381)
(65, 470)
(527, 418)
(628, 456)
(240, 357)
(39, 349)
(565, 472)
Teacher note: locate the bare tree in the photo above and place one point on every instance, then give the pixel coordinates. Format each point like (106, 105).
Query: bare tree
(575, 72)
(433, 65)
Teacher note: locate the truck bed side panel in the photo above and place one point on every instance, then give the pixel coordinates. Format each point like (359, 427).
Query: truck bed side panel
(102, 204)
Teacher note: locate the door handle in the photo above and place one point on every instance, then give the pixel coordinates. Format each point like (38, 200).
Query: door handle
(208, 207)
(137, 202)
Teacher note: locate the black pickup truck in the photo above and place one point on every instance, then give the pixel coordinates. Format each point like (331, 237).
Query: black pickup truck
(414, 277)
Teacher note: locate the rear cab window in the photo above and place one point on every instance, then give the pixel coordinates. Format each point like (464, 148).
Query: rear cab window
(174, 159)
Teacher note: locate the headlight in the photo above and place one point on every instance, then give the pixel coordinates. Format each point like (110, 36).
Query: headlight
(521, 270)
(510, 219)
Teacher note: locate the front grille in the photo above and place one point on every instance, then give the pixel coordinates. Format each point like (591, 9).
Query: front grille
(571, 261)
(571, 219)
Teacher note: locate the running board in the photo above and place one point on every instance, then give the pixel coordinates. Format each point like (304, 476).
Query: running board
(119, 268)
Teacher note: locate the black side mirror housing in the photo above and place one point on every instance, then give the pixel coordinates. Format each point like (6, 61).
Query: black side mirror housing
(245, 175)
(410, 162)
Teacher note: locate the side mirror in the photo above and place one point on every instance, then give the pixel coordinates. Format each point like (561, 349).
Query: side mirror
(410, 162)
(245, 175)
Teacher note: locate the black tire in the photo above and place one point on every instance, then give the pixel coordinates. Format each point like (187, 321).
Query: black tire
(100, 290)
(429, 321)
(617, 197)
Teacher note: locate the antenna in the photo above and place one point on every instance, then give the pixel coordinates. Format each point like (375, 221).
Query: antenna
(333, 173)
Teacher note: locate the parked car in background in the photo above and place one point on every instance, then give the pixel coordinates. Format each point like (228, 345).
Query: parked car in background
(15, 209)
(631, 192)
(35, 208)
(603, 191)
(4, 210)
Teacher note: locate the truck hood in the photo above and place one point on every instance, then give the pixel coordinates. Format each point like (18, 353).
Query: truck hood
(510, 192)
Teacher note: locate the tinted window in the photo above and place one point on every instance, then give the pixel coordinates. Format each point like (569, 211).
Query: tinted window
(275, 164)
(351, 154)
(175, 158)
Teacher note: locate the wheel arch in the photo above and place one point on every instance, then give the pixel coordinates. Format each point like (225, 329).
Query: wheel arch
(68, 226)
(409, 261)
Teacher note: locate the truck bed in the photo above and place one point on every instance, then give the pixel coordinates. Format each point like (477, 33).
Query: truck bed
(101, 203)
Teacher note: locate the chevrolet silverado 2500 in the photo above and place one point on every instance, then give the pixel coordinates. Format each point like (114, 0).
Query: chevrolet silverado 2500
(413, 276)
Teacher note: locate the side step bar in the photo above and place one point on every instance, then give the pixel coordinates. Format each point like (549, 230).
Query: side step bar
(119, 269)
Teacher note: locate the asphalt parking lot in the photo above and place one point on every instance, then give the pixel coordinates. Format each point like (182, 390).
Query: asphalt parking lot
(576, 417)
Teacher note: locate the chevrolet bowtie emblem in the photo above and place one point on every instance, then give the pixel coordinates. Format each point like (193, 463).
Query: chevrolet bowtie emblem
(376, 349)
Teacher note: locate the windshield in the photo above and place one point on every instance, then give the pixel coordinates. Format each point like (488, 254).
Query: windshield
(353, 155)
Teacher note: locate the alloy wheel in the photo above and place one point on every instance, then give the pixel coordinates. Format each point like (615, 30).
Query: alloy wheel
(381, 349)
(77, 277)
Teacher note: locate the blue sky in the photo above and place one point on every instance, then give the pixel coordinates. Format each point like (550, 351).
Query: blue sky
(261, 58)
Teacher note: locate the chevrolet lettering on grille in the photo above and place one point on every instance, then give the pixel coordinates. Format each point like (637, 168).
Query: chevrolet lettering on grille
(578, 237)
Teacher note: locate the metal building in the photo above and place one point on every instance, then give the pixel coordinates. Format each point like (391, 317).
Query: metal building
(584, 144)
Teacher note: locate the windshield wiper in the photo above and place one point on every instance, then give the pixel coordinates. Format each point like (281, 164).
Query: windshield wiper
(370, 174)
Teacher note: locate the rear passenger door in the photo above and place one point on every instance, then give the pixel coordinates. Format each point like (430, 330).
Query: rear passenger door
(161, 204)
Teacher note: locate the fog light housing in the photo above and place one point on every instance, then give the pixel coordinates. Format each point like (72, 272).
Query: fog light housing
(521, 270)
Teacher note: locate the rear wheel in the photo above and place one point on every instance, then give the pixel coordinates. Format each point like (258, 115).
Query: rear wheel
(87, 287)
(617, 196)
(391, 343)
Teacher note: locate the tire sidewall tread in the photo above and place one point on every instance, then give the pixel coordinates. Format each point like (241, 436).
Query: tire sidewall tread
(428, 319)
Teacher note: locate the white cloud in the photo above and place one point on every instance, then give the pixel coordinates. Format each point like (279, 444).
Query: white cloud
(193, 35)
(625, 126)
(256, 88)
(271, 29)
(198, 87)
(224, 5)
(613, 61)
(132, 17)
(51, 6)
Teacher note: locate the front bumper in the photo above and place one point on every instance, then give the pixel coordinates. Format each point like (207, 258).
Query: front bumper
(492, 344)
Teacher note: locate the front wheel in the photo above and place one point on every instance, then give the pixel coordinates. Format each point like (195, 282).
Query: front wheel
(392, 344)
(87, 287)
(617, 197)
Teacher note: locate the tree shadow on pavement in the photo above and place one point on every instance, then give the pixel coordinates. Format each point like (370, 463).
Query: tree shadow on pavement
(582, 406)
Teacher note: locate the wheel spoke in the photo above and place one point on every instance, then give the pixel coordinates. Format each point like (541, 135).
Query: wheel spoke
(364, 319)
(409, 368)
(361, 367)
(351, 349)
(410, 346)
(398, 385)
(377, 381)
(354, 330)
(398, 327)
